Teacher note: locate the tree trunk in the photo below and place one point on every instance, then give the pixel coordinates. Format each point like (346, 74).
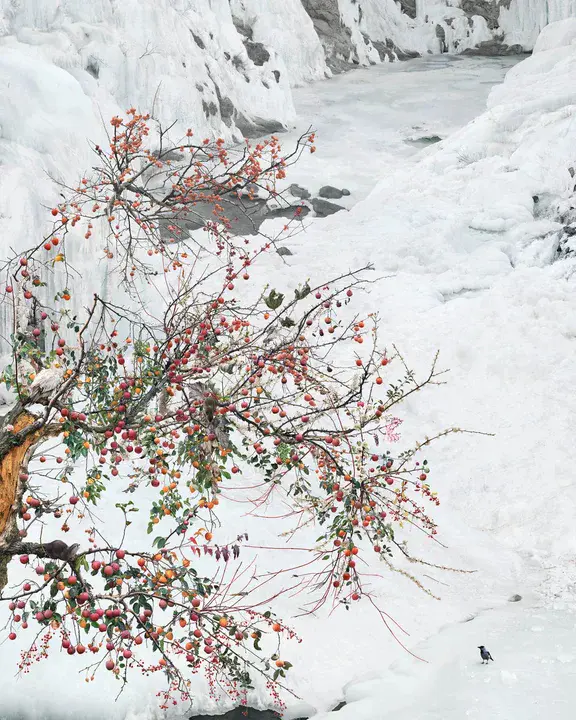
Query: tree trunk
(13, 468)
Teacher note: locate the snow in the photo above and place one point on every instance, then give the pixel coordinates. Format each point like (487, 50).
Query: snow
(530, 678)
(471, 253)
(289, 30)
(556, 35)
(468, 258)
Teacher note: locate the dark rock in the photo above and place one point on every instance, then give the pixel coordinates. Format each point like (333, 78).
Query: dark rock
(257, 52)
(284, 251)
(345, 192)
(424, 141)
(238, 63)
(245, 216)
(515, 598)
(408, 7)
(299, 191)
(494, 48)
(257, 127)
(391, 51)
(487, 9)
(339, 706)
(323, 208)
(276, 74)
(335, 37)
(198, 40)
(226, 108)
(93, 67)
(241, 713)
(330, 192)
(243, 29)
(291, 212)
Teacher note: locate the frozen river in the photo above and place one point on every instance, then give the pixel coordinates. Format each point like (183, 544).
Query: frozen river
(369, 120)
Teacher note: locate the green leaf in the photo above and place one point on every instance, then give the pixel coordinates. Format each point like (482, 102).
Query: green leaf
(274, 300)
(301, 293)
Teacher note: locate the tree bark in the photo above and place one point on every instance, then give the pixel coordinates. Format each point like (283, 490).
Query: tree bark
(13, 465)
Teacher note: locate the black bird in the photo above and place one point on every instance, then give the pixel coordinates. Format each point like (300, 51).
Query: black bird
(485, 655)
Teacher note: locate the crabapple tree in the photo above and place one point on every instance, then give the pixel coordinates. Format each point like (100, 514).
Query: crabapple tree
(176, 386)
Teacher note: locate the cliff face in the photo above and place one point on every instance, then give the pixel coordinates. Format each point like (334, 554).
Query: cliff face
(367, 31)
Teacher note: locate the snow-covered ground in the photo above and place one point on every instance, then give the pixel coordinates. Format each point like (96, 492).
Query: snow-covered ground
(469, 252)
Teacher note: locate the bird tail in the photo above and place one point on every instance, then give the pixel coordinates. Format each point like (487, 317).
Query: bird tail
(491, 658)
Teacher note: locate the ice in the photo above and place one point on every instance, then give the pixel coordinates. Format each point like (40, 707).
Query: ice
(524, 19)
(556, 35)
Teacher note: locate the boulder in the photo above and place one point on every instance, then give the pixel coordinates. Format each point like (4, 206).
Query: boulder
(330, 192)
(256, 52)
(323, 208)
(299, 191)
(494, 48)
